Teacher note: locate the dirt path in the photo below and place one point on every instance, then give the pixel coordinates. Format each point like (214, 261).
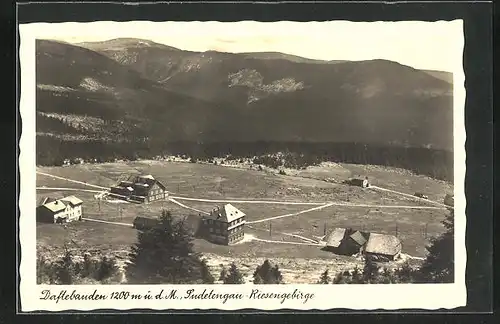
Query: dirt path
(308, 240)
(283, 242)
(70, 180)
(184, 206)
(408, 195)
(68, 189)
(107, 222)
(291, 214)
(250, 201)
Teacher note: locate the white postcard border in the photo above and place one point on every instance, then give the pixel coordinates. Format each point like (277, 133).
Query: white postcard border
(357, 297)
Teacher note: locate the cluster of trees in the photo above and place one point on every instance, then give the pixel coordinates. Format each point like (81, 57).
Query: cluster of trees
(298, 155)
(66, 270)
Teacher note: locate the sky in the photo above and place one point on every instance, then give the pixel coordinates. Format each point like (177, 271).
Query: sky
(422, 45)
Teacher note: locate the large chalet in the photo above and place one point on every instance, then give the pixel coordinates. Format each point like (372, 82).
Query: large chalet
(223, 225)
(140, 189)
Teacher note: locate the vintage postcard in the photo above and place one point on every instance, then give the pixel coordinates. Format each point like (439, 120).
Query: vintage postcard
(242, 165)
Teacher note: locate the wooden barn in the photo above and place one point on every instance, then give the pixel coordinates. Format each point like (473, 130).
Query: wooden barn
(140, 189)
(63, 210)
(224, 225)
(382, 247)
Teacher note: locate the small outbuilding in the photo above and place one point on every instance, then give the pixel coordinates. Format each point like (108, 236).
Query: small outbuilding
(359, 182)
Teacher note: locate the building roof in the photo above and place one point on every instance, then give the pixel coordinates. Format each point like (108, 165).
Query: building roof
(45, 200)
(140, 183)
(55, 206)
(383, 244)
(72, 200)
(226, 213)
(335, 237)
(358, 238)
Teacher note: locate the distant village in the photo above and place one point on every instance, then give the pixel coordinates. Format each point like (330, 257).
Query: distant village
(225, 224)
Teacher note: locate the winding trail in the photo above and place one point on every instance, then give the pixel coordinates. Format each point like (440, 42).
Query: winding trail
(68, 189)
(70, 180)
(250, 201)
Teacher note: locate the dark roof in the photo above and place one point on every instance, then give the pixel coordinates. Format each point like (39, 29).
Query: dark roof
(358, 238)
(226, 213)
(383, 244)
(141, 183)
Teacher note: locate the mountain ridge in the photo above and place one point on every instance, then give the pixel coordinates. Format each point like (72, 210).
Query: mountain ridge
(245, 98)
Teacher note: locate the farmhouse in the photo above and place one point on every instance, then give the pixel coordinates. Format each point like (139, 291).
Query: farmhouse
(141, 189)
(382, 247)
(345, 241)
(59, 211)
(223, 225)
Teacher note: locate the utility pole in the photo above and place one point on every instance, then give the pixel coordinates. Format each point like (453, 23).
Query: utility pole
(324, 228)
(270, 233)
(396, 229)
(425, 231)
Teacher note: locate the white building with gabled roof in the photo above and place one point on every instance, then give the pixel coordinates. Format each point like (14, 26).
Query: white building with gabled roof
(62, 210)
(223, 225)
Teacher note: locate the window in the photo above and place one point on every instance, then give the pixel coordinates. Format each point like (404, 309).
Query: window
(211, 230)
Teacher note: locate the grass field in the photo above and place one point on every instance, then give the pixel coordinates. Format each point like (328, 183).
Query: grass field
(219, 182)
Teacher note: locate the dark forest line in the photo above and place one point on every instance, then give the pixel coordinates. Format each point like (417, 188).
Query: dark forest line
(431, 162)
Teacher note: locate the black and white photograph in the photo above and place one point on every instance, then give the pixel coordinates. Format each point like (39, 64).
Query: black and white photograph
(225, 165)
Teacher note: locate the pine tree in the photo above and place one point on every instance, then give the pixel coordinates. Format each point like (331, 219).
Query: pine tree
(223, 274)
(268, 274)
(356, 277)
(64, 268)
(439, 265)
(325, 278)
(107, 268)
(164, 254)
(233, 276)
(370, 271)
(206, 275)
